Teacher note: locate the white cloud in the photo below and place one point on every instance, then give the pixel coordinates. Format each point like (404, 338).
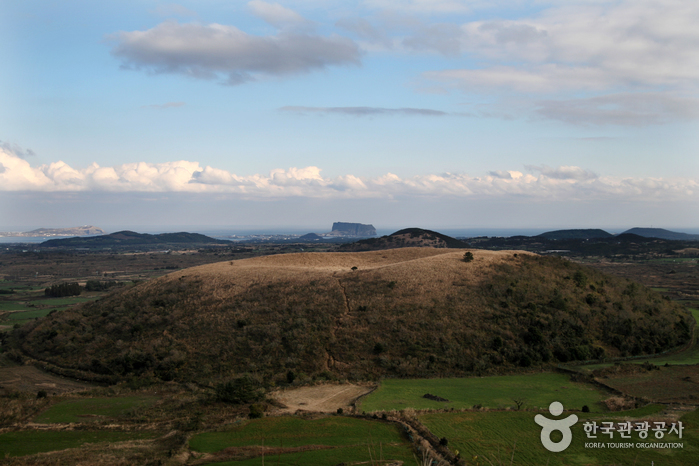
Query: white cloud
(630, 62)
(210, 51)
(276, 14)
(629, 109)
(544, 183)
(627, 43)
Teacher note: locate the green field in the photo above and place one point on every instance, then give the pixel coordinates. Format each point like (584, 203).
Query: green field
(343, 439)
(86, 409)
(537, 390)
(60, 302)
(15, 306)
(486, 438)
(36, 441)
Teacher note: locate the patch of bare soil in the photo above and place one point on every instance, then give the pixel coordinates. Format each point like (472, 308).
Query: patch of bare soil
(320, 398)
(31, 379)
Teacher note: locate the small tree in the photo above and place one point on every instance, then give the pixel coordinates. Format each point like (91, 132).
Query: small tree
(238, 391)
(468, 256)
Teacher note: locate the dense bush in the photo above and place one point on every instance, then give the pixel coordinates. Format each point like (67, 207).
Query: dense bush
(239, 391)
(63, 289)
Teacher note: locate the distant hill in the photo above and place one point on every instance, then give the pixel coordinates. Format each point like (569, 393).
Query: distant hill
(662, 234)
(129, 238)
(412, 312)
(352, 229)
(408, 237)
(575, 234)
(310, 237)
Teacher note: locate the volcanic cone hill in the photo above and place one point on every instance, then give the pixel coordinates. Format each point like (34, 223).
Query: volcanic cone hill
(418, 312)
(408, 237)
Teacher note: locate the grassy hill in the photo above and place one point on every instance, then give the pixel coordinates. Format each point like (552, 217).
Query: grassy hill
(413, 312)
(575, 234)
(408, 237)
(662, 234)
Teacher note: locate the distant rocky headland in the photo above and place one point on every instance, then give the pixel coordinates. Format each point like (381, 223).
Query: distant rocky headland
(352, 229)
(87, 230)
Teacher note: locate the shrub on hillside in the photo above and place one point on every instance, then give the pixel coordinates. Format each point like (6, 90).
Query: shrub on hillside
(238, 391)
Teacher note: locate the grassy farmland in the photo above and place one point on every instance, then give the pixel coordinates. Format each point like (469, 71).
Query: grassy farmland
(536, 390)
(33, 441)
(485, 438)
(292, 440)
(85, 409)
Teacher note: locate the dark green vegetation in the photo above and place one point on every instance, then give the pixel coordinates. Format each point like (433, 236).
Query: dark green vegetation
(533, 390)
(62, 290)
(403, 313)
(626, 246)
(129, 239)
(293, 440)
(408, 237)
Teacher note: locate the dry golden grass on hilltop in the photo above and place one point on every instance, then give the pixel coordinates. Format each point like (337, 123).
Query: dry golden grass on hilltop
(424, 269)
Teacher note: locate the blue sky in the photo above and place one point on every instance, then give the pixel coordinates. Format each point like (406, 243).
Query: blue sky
(451, 113)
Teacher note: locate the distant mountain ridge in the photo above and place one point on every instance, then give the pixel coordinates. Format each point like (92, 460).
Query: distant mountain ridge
(661, 233)
(575, 234)
(131, 238)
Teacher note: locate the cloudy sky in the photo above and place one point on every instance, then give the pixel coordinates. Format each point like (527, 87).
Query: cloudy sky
(432, 113)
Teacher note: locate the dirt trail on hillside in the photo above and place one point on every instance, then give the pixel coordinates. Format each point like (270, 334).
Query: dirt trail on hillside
(320, 398)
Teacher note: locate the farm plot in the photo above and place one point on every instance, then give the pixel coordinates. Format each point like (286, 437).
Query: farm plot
(672, 384)
(92, 409)
(36, 441)
(531, 390)
(328, 440)
(509, 437)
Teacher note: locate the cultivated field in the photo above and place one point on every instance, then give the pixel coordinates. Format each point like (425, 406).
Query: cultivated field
(504, 438)
(500, 392)
(92, 409)
(325, 441)
(37, 441)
